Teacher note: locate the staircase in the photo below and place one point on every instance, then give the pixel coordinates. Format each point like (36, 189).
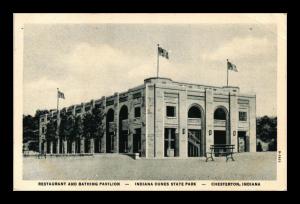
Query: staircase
(193, 146)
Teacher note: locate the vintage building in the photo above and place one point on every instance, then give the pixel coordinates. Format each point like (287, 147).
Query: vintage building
(164, 118)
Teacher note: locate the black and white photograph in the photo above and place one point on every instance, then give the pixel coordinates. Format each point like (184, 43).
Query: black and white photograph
(150, 101)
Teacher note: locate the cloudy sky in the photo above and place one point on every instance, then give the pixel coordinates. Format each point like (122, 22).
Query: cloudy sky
(87, 61)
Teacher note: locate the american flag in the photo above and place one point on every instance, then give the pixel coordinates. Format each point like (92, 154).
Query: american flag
(162, 52)
(60, 95)
(231, 66)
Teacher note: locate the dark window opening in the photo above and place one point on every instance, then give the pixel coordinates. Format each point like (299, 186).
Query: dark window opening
(109, 103)
(137, 112)
(136, 95)
(220, 114)
(171, 111)
(98, 105)
(194, 112)
(242, 116)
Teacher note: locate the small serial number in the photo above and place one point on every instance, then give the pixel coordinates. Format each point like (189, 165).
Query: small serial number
(279, 157)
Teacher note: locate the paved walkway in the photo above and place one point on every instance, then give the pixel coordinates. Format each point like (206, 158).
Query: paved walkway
(248, 166)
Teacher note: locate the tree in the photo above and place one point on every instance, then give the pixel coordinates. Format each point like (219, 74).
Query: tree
(266, 129)
(92, 123)
(98, 115)
(38, 113)
(29, 128)
(51, 130)
(70, 123)
(78, 127)
(63, 132)
(88, 126)
(28, 121)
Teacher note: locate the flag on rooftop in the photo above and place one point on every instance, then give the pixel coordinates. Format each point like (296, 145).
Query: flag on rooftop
(60, 95)
(231, 66)
(162, 52)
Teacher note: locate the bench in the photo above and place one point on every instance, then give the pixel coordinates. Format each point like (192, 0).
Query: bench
(220, 150)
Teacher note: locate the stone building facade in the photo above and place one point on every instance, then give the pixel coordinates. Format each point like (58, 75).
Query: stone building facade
(163, 118)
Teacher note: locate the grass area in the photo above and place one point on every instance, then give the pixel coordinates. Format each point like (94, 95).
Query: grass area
(247, 166)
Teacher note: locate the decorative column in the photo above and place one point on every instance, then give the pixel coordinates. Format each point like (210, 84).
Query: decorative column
(51, 147)
(45, 146)
(103, 138)
(148, 147)
(40, 145)
(160, 112)
(65, 143)
(82, 145)
(57, 145)
(252, 125)
(183, 130)
(209, 118)
(92, 146)
(233, 114)
(73, 147)
(116, 120)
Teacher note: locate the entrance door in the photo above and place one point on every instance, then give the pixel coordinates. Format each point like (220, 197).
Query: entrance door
(219, 137)
(242, 141)
(137, 141)
(123, 140)
(170, 142)
(194, 140)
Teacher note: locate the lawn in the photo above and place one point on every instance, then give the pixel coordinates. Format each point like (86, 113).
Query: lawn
(247, 166)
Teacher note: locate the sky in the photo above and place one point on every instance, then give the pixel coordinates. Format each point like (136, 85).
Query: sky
(88, 61)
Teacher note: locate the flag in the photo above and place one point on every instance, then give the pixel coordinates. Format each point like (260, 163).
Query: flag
(162, 52)
(60, 95)
(231, 66)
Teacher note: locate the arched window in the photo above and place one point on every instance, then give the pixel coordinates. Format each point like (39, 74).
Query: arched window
(124, 113)
(194, 112)
(110, 115)
(220, 114)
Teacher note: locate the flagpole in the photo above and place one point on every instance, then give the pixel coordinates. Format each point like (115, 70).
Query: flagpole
(157, 71)
(57, 99)
(227, 72)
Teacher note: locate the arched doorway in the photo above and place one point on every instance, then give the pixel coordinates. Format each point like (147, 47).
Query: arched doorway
(123, 130)
(221, 135)
(196, 141)
(110, 131)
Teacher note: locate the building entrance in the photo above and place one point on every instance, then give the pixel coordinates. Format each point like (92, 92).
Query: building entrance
(170, 142)
(242, 143)
(219, 137)
(194, 142)
(137, 141)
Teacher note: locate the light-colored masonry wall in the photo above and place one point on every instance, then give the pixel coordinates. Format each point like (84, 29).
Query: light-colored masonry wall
(134, 97)
(163, 92)
(153, 96)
